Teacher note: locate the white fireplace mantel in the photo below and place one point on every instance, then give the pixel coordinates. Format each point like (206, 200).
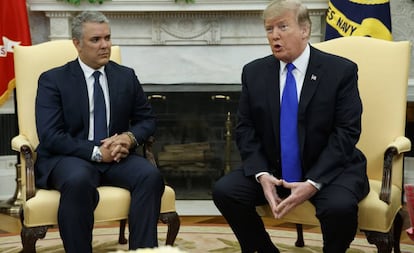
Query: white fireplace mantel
(163, 5)
(208, 41)
(160, 22)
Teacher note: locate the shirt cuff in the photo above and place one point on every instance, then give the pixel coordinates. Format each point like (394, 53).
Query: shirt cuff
(316, 185)
(259, 174)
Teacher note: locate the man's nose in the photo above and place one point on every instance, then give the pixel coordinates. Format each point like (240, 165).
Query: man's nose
(105, 43)
(275, 33)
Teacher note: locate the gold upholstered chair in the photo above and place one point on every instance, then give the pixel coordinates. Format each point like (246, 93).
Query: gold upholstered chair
(383, 80)
(39, 208)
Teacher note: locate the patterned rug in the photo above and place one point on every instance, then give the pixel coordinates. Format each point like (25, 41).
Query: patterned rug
(197, 239)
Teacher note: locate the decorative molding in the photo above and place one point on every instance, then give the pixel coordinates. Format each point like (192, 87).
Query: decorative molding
(163, 5)
(60, 26)
(186, 29)
(164, 22)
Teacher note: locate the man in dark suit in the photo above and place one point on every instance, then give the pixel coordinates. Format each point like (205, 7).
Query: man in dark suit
(331, 171)
(75, 158)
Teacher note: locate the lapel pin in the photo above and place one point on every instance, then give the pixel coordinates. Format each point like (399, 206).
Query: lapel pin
(313, 77)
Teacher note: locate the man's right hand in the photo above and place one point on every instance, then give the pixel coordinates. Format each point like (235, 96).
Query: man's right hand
(114, 148)
(269, 184)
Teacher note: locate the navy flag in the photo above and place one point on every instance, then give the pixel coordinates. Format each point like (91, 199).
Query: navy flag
(371, 18)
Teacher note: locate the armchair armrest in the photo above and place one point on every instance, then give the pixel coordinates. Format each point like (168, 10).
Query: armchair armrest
(147, 150)
(21, 144)
(18, 141)
(400, 145)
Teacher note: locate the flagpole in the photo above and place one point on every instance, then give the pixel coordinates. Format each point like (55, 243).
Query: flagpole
(12, 206)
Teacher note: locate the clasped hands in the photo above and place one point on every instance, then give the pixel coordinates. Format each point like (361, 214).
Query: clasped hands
(300, 192)
(115, 148)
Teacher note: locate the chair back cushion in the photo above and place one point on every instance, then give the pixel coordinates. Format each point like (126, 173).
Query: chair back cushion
(383, 68)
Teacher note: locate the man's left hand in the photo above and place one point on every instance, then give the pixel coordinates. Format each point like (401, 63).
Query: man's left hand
(300, 192)
(118, 145)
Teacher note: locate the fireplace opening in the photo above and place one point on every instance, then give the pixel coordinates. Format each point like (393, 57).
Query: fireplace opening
(194, 142)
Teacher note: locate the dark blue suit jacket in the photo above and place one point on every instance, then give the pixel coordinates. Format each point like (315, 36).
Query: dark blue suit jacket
(329, 121)
(62, 113)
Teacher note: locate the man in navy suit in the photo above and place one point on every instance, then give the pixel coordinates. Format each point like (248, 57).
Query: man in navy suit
(74, 160)
(328, 125)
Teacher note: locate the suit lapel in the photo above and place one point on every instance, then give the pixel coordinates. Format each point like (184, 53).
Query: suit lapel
(113, 91)
(310, 83)
(81, 90)
(273, 92)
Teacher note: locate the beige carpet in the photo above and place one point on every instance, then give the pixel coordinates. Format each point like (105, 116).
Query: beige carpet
(197, 239)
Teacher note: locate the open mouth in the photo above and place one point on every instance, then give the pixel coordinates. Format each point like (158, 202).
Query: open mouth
(277, 47)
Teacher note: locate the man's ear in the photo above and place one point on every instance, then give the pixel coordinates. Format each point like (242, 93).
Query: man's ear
(76, 43)
(305, 32)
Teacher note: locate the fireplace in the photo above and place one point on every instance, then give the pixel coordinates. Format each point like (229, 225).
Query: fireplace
(195, 139)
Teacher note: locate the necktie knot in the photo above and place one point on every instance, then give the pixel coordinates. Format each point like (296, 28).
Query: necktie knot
(290, 67)
(96, 75)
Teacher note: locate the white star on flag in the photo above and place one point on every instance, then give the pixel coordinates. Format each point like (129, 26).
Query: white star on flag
(7, 46)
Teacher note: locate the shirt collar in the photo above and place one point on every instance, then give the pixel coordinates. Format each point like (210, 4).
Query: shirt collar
(88, 71)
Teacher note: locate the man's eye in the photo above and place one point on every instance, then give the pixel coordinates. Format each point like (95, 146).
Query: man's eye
(269, 29)
(283, 27)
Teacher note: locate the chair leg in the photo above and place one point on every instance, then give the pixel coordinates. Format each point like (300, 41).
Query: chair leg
(386, 241)
(383, 241)
(173, 221)
(29, 237)
(122, 239)
(398, 227)
(300, 242)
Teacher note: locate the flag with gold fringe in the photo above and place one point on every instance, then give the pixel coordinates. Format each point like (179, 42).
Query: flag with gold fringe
(371, 18)
(14, 30)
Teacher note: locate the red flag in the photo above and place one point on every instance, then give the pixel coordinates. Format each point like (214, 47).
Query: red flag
(14, 30)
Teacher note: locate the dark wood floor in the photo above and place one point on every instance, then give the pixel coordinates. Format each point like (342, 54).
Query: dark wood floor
(10, 224)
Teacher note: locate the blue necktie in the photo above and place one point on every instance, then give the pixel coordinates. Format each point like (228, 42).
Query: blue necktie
(99, 113)
(291, 169)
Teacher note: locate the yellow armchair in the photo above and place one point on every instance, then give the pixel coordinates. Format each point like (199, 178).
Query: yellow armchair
(383, 78)
(39, 208)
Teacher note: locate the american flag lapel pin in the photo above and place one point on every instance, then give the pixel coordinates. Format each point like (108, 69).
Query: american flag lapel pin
(313, 77)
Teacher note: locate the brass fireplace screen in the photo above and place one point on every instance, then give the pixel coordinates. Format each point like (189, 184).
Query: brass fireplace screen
(194, 140)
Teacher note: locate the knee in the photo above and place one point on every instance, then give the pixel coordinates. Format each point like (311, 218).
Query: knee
(340, 210)
(154, 179)
(79, 183)
(219, 190)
